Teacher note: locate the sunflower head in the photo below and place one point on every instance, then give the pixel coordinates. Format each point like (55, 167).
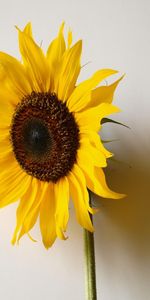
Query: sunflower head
(50, 148)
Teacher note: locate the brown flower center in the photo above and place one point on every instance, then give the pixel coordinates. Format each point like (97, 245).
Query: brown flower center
(44, 136)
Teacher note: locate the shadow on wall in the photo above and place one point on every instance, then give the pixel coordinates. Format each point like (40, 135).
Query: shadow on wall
(125, 223)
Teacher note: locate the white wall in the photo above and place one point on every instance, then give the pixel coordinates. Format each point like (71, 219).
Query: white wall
(116, 35)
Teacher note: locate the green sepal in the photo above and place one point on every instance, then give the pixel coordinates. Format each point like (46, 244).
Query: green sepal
(107, 120)
(109, 141)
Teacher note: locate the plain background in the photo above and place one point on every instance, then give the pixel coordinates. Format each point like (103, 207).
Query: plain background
(115, 35)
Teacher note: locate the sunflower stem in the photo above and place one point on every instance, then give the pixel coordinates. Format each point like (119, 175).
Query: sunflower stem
(89, 256)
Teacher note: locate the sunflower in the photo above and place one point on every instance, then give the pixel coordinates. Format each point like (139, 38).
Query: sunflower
(50, 148)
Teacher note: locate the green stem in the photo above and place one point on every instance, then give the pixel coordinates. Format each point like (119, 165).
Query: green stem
(90, 272)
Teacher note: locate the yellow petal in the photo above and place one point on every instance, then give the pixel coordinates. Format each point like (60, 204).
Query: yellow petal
(95, 180)
(104, 94)
(91, 118)
(35, 63)
(69, 71)
(56, 48)
(13, 185)
(10, 160)
(2, 74)
(7, 95)
(33, 213)
(47, 218)
(78, 173)
(82, 93)
(54, 55)
(16, 75)
(5, 161)
(88, 152)
(6, 109)
(5, 147)
(28, 29)
(95, 140)
(4, 133)
(61, 189)
(25, 205)
(69, 38)
(79, 194)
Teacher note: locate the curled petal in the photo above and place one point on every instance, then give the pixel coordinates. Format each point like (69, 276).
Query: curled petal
(81, 96)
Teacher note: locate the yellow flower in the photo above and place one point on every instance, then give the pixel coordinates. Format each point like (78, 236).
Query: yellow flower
(49, 143)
